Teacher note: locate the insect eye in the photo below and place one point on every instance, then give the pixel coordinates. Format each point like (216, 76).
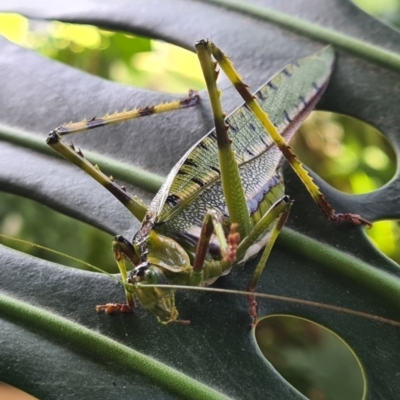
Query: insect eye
(121, 239)
(154, 275)
(149, 275)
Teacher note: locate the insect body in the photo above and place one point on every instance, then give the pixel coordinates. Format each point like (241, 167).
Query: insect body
(224, 200)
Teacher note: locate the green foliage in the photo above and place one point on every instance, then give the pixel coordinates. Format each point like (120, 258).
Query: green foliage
(353, 157)
(387, 10)
(123, 58)
(22, 218)
(311, 358)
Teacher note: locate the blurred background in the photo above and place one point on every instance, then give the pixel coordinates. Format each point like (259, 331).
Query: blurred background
(350, 155)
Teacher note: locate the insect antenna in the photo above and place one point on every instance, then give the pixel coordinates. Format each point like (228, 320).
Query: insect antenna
(59, 253)
(280, 298)
(272, 297)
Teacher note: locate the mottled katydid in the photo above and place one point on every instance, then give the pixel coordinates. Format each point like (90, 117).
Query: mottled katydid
(224, 200)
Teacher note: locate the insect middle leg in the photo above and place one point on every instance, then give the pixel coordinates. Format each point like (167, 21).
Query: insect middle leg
(212, 224)
(261, 235)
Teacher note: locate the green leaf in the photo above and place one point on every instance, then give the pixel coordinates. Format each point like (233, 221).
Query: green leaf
(54, 345)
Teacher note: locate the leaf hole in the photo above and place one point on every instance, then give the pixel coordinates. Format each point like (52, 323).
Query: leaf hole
(313, 359)
(117, 56)
(23, 218)
(385, 235)
(388, 11)
(351, 155)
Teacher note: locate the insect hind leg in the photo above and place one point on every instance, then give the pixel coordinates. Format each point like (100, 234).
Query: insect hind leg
(232, 186)
(132, 203)
(55, 140)
(74, 127)
(286, 150)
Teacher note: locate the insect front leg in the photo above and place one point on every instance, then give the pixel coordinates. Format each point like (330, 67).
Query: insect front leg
(212, 224)
(286, 150)
(123, 250)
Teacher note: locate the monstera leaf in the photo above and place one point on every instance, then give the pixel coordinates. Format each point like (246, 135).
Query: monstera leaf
(54, 345)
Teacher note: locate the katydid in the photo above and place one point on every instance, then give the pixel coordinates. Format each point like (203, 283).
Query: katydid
(215, 289)
(224, 200)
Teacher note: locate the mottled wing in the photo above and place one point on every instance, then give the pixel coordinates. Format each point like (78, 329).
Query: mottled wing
(287, 98)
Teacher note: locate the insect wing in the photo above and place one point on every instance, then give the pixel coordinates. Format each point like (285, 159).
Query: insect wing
(287, 98)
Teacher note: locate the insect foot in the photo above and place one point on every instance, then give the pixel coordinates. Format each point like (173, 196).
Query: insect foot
(113, 308)
(354, 219)
(253, 310)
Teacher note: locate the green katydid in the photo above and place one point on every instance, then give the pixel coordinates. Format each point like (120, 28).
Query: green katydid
(224, 200)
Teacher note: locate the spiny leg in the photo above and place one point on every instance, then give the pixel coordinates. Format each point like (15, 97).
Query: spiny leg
(230, 177)
(132, 203)
(212, 224)
(282, 208)
(123, 250)
(108, 119)
(286, 150)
